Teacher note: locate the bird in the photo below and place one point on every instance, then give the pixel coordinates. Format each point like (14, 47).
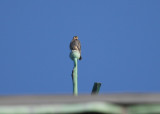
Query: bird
(76, 45)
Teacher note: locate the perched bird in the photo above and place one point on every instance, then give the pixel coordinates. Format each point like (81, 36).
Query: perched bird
(76, 45)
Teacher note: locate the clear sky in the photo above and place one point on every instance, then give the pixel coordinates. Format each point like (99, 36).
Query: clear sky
(120, 45)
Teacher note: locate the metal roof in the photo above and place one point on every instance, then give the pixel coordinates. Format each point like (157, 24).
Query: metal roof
(124, 99)
(106, 103)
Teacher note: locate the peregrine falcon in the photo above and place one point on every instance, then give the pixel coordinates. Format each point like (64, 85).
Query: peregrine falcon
(76, 45)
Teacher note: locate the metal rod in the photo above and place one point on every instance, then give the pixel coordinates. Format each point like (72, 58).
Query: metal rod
(96, 88)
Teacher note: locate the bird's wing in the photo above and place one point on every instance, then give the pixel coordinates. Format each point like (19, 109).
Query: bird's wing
(79, 48)
(72, 44)
(79, 45)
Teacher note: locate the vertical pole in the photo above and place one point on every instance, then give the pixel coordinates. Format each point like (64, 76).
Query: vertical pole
(75, 76)
(75, 55)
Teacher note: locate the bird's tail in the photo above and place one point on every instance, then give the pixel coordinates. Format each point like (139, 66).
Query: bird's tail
(80, 58)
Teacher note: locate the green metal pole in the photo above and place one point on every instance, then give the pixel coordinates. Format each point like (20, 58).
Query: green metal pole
(75, 55)
(75, 76)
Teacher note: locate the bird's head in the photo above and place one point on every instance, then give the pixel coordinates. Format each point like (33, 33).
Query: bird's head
(75, 37)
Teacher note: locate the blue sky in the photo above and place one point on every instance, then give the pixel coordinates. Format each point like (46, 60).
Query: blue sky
(120, 45)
